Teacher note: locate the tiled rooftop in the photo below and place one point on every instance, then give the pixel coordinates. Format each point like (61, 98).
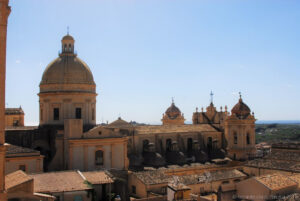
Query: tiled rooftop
(296, 178)
(58, 182)
(287, 145)
(65, 181)
(11, 111)
(276, 181)
(16, 178)
(98, 177)
(178, 186)
(274, 164)
(160, 176)
(279, 154)
(175, 129)
(12, 150)
(20, 128)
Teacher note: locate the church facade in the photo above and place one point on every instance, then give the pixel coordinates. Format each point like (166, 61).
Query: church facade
(69, 137)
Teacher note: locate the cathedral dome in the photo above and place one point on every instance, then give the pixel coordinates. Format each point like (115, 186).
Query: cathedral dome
(173, 112)
(241, 110)
(67, 68)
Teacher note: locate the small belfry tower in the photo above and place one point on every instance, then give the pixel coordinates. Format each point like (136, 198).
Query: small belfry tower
(240, 132)
(173, 116)
(4, 13)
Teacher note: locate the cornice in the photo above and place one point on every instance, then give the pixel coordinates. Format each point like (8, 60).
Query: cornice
(4, 12)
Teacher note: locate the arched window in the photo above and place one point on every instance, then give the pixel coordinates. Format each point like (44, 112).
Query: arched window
(235, 138)
(99, 157)
(56, 114)
(78, 113)
(248, 138)
(70, 47)
(190, 144)
(65, 47)
(145, 145)
(168, 145)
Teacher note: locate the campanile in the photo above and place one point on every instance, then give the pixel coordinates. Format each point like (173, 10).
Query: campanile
(4, 13)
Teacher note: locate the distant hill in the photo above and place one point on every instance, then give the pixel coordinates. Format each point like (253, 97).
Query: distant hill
(276, 132)
(278, 122)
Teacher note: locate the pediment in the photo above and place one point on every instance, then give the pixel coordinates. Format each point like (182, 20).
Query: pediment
(102, 132)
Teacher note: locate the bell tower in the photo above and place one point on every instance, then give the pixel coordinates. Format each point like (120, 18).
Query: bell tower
(4, 13)
(240, 132)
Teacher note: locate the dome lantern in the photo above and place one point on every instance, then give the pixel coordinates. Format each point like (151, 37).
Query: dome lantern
(67, 45)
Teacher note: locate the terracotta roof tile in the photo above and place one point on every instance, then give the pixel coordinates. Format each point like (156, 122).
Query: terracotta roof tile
(13, 149)
(160, 176)
(59, 182)
(175, 129)
(11, 111)
(16, 178)
(296, 178)
(276, 181)
(98, 177)
(275, 164)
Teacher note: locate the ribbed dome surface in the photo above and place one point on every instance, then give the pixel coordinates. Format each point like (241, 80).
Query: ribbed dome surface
(241, 109)
(173, 111)
(67, 70)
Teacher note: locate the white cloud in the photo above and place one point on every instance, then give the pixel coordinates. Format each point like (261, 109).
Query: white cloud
(18, 61)
(235, 93)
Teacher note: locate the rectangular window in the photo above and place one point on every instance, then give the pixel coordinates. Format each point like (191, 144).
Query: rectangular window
(41, 115)
(235, 138)
(99, 157)
(56, 114)
(133, 188)
(93, 114)
(78, 113)
(15, 122)
(22, 167)
(248, 138)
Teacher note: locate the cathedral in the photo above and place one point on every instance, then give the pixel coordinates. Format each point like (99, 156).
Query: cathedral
(69, 137)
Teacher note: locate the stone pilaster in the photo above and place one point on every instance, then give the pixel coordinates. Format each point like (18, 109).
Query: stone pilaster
(4, 13)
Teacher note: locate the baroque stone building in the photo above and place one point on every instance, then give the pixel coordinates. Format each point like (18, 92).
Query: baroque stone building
(14, 117)
(213, 134)
(69, 138)
(67, 134)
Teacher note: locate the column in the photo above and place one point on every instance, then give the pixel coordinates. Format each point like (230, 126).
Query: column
(4, 13)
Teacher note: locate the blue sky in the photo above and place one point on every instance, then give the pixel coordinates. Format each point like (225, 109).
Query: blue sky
(144, 52)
